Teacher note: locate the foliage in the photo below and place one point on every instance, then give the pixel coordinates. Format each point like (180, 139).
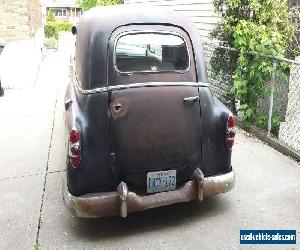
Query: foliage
(223, 64)
(50, 17)
(261, 27)
(63, 26)
(87, 4)
(261, 121)
(53, 28)
(51, 42)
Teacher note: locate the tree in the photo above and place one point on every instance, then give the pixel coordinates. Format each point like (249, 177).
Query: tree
(258, 29)
(50, 17)
(87, 4)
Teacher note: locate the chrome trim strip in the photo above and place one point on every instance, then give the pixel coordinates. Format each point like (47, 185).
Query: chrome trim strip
(89, 91)
(137, 85)
(151, 84)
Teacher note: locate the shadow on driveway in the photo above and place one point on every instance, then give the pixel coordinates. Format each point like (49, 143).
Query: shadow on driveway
(158, 219)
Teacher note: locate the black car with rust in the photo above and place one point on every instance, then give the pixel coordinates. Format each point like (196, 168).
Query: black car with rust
(143, 128)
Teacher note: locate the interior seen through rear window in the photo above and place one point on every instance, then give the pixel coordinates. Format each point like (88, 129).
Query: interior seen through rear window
(151, 52)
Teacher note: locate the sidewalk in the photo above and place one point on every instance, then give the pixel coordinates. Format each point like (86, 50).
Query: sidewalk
(27, 127)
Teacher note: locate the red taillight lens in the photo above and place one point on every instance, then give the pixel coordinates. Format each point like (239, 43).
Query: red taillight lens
(231, 122)
(230, 132)
(74, 148)
(74, 136)
(230, 142)
(75, 161)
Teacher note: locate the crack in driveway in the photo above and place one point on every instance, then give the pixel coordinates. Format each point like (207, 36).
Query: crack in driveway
(36, 246)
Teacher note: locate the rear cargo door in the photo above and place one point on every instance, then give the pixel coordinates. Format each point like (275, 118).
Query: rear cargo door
(155, 121)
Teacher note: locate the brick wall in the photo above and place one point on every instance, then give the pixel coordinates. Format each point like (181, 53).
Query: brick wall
(19, 19)
(35, 14)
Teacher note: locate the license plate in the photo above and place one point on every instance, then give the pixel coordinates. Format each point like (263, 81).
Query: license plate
(161, 181)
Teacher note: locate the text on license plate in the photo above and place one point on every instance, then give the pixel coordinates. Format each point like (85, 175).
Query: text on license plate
(161, 181)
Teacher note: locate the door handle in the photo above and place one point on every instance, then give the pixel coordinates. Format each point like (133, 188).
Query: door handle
(191, 99)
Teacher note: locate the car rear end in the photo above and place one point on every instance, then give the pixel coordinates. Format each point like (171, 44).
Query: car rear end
(153, 136)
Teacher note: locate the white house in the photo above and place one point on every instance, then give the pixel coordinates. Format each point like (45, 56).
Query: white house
(200, 11)
(64, 10)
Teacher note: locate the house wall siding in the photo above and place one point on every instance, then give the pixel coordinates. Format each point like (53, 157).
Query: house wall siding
(200, 11)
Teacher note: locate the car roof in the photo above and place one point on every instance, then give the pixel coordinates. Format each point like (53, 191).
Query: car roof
(96, 26)
(114, 16)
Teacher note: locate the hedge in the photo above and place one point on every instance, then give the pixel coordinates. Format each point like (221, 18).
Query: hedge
(51, 42)
(63, 26)
(53, 28)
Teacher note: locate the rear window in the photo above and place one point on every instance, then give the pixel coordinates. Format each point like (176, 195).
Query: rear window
(151, 52)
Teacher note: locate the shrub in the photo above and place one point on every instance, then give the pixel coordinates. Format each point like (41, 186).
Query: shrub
(50, 17)
(87, 4)
(263, 28)
(51, 43)
(51, 30)
(63, 26)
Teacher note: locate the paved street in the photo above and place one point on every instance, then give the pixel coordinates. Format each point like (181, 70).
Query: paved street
(32, 165)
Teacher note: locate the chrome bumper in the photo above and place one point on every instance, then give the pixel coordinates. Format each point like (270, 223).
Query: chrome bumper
(122, 201)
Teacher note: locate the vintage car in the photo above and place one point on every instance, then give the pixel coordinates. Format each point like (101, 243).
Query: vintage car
(143, 128)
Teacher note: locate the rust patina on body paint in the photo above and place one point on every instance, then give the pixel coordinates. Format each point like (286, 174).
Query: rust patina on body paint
(134, 109)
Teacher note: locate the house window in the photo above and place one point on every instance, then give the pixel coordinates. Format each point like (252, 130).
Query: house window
(78, 12)
(59, 12)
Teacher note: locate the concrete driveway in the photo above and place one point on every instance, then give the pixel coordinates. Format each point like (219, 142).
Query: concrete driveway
(32, 164)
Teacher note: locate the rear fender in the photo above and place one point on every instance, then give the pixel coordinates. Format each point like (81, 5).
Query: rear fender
(216, 158)
(88, 113)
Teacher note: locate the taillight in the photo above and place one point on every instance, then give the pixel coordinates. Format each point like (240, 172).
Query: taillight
(74, 136)
(230, 132)
(231, 121)
(74, 148)
(75, 161)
